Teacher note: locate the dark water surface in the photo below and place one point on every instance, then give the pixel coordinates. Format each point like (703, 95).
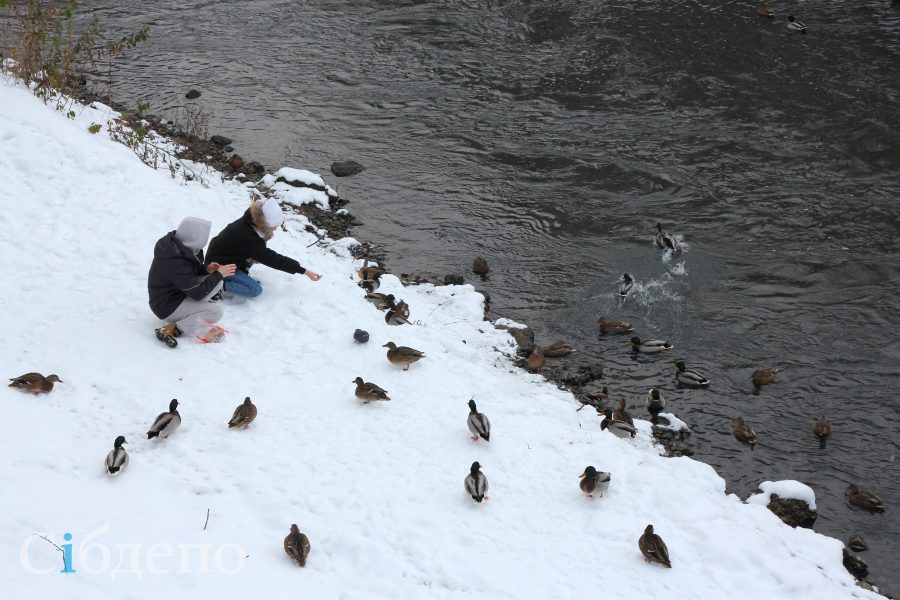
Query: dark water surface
(550, 136)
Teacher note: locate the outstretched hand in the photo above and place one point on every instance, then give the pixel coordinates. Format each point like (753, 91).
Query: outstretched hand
(312, 275)
(226, 270)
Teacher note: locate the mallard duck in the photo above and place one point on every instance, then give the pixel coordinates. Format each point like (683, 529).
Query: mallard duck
(34, 383)
(763, 10)
(557, 349)
(117, 459)
(594, 482)
(402, 355)
(166, 423)
(381, 301)
(397, 314)
(594, 398)
(665, 240)
(243, 415)
(822, 429)
(369, 392)
(689, 377)
(620, 414)
(614, 327)
(764, 376)
(649, 346)
(476, 483)
(618, 428)
(795, 25)
(480, 266)
(369, 273)
(743, 432)
(654, 548)
(369, 285)
(236, 162)
(296, 545)
(864, 499)
(536, 359)
(654, 404)
(625, 286)
(478, 423)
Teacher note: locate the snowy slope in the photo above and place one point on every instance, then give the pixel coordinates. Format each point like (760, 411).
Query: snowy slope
(377, 488)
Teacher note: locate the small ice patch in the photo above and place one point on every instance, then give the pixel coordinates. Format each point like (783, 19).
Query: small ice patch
(675, 424)
(509, 324)
(300, 175)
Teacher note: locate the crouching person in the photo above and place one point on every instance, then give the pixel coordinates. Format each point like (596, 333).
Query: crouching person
(180, 286)
(243, 242)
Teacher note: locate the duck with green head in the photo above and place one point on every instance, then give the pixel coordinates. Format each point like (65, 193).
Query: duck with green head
(689, 377)
(648, 346)
(619, 429)
(594, 482)
(654, 404)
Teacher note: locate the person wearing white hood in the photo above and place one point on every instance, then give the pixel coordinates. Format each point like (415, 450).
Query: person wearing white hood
(180, 286)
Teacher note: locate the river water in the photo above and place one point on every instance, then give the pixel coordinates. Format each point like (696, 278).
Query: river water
(551, 136)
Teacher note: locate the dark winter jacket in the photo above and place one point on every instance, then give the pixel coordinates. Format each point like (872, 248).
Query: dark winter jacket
(175, 274)
(240, 244)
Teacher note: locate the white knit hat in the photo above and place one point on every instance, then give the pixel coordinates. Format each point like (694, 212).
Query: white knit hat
(272, 213)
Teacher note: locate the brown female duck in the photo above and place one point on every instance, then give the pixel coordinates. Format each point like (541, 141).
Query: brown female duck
(34, 383)
(402, 355)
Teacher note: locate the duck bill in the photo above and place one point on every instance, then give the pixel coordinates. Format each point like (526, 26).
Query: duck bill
(583, 475)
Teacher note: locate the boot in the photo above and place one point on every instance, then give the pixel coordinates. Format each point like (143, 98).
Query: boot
(167, 333)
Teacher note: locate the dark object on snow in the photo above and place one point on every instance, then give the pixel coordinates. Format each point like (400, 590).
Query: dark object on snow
(453, 279)
(857, 543)
(361, 336)
(346, 168)
(192, 95)
(220, 140)
(855, 565)
(795, 513)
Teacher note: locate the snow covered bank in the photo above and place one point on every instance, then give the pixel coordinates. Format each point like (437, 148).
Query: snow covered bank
(377, 488)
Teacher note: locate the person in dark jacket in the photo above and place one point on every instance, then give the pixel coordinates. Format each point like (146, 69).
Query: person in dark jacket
(243, 242)
(180, 285)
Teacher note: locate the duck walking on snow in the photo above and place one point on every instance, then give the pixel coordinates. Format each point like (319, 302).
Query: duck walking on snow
(402, 355)
(654, 548)
(478, 423)
(476, 483)
(594, 482)
(369, 392)
(166, 423)
(296, 545)
(620, 414)
(34, 383)
(689, 377)
(620, 429)
(117, 459)
(243, 415)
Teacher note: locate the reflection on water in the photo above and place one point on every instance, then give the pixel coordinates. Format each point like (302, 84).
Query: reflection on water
(550, 137)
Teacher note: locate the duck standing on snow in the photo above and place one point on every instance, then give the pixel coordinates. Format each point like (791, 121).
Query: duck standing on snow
(243, 415)
(626, 285)
(166, 423)
(34, 382)
(402, 355)
(369, 392)
(397, 314)
(117, 459)
(476, 483)
(689, 377)
(366, 272)
(381, 301)
(296, 545)
(536, 360)
(654, 548)
(557, 349)
(665, 240)
(795, 25)
(620, 429)
(762, 377)
(478, 423)
(620, 414)
(594, 482)
(743, 432)
(649, 346)
(654, 404)
(614, 327)
(864, 499)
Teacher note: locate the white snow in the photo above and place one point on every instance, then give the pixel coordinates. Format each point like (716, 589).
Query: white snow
(377, 488)
(787, 488)
(675, 424)
(300, 175)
